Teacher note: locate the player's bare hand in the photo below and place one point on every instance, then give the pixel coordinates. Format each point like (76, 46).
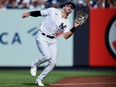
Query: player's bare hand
(76, 24)
(25, 15)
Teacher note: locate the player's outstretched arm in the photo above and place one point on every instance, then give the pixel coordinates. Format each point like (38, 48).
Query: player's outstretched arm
(33, 13)
(69, 33)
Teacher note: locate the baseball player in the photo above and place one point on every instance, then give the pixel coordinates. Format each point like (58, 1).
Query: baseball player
(55, 21)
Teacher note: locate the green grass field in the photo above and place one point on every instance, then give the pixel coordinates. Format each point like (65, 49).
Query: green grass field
(22, 78)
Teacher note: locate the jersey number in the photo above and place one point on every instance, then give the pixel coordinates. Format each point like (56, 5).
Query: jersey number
(62, 26)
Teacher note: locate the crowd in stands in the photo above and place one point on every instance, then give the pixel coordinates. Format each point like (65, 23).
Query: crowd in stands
(42, 4)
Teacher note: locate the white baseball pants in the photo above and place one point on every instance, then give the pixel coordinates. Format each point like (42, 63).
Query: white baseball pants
(48, 50)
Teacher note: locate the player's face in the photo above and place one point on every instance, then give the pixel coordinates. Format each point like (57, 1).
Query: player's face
(68, 9)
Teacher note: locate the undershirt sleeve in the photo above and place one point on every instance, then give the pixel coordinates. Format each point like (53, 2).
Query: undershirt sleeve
(35, 13)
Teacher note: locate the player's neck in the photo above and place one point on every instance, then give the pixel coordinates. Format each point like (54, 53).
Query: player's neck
(64, 14)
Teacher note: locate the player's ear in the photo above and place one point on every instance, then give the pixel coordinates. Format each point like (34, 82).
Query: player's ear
(63, 7)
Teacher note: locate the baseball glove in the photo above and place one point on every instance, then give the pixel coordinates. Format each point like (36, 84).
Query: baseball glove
(81, 17)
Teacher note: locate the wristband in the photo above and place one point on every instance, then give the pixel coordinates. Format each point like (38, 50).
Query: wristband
(73, 29)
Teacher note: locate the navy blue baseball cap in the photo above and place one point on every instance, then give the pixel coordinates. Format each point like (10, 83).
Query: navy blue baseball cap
(71, 4)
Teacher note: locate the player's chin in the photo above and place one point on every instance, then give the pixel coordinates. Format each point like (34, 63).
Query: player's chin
(68, 12)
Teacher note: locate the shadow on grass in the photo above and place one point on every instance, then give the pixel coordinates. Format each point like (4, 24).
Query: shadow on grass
(29, 84)
(32, 84)
(20, 84)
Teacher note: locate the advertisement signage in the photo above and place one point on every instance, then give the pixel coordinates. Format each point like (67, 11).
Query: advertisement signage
(103, 37)
(17, 42)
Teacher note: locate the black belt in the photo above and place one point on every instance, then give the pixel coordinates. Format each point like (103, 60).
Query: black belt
(51, 37)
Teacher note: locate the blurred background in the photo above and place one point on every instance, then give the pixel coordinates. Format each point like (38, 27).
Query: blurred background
(92, 45)
(42, 4)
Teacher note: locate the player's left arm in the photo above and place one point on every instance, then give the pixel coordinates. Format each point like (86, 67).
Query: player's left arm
(71, 31)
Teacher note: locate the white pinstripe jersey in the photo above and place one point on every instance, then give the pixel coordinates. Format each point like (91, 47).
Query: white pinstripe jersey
(53, 23)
